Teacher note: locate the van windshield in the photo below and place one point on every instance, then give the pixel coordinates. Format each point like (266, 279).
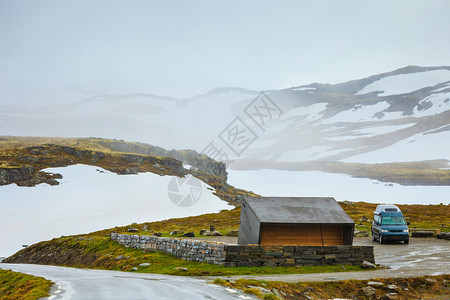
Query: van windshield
(393, 221)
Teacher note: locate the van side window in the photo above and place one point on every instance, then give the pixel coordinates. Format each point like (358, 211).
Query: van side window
(376, 220)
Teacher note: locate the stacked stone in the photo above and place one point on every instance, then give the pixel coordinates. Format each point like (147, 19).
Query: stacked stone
(289, 256)
(250, 256)
(189, 250)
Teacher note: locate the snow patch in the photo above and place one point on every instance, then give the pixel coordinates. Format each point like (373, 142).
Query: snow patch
(410, 149)
(89, 200)
(406, 83)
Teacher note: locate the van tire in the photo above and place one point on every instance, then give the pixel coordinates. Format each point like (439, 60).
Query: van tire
(381, 240)
(406, 241)
(373, 237)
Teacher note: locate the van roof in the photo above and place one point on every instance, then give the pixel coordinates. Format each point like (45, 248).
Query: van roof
(386, 208)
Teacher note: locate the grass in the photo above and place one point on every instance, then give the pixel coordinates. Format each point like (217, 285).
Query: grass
(435, 287)
(97, 252)
(420, 216)
(14, 285)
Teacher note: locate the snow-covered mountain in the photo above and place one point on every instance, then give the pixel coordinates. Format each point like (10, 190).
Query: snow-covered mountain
(402, 115)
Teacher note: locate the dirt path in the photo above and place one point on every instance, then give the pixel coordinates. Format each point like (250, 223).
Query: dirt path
(420, 257)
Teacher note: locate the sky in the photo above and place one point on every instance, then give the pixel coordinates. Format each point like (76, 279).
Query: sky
(185, 48)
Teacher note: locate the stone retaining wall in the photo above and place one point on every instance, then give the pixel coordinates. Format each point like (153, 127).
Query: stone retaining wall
(186, 249)
(250, 256)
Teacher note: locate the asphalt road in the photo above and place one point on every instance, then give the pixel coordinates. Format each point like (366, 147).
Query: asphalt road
(71, 283)
(419, 258)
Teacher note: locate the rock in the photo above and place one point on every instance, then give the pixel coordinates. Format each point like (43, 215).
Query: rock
(233, 233)
(369, 291)
(422, 234)
(134, 269)
(212, 233)
(360, 233)
(390, 296)
(189, 234)
(374, 283)
(144, 265)
(430, 280)
(443, 235)
(348, 203)
(131, 229)
(368, 265)
(176, 232)
(212, 228)
(392, 287)
(202, 231)
(52, 181)
(120, 257)
(157, 234)
(365, 219)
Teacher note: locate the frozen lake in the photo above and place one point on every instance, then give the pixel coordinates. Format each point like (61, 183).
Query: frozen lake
(89, 199)
(341, 187)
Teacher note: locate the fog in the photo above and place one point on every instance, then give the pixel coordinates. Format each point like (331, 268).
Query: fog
(181, 48)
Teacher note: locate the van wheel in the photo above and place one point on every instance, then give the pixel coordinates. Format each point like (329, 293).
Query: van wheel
(406, 241)
(373, 237)
(381, 239)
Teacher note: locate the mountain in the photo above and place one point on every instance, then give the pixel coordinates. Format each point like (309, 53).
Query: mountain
(397, 116)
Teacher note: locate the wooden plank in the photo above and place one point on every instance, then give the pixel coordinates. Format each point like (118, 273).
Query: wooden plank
(332, 235)
(280, 234)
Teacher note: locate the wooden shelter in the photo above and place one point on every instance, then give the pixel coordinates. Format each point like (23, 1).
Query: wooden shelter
(311, 221)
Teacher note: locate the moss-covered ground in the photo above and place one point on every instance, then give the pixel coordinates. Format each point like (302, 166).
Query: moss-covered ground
(15, 286)
(430, 287)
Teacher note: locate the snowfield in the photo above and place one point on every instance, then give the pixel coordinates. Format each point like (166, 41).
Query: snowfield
(340, 186)
(89, 199)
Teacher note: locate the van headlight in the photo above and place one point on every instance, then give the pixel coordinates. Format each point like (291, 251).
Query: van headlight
(406, 230)
(384, 230)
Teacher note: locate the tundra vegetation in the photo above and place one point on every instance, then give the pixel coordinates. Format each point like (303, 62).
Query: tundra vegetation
(14, 285)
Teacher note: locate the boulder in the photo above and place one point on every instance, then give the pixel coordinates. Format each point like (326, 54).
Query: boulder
(390, 296)
(233, 233)
(392, 287)
(134, 269)
(369, 291)
(212, 233)
(157, 234)
(144, 265)
(443, 235)
(189, 234)
(132, 229)
(368, 265)
(375, 283)
(422, 234)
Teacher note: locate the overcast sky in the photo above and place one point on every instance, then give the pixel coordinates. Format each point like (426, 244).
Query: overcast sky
(184, 48)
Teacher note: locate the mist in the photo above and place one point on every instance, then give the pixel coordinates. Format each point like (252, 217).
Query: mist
(183, 49)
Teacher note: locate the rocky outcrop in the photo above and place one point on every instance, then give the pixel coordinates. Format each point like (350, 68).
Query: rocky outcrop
(16, 174)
